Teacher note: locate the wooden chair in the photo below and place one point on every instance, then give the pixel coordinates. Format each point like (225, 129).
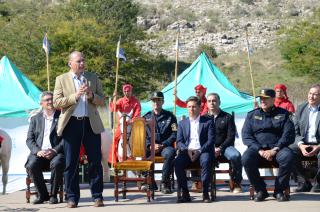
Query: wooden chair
(29, 192)
(264, 164)
(137, 161)
(223, 160)
(195, 166)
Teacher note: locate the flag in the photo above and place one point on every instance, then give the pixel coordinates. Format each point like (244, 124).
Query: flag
(120, 52)
(249, 48)
(46, 44)
(177, 44)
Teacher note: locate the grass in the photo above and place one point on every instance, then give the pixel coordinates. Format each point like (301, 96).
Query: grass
(267, 71)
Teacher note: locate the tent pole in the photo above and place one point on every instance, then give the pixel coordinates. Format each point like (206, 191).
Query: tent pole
(176, 74)
(250, 69)
(48, 74)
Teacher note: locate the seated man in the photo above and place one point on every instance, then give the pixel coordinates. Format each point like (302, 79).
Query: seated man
(195, 142)
(268, 131)
(46, 150)
(165, 136)
(225, 136)
(307, 142)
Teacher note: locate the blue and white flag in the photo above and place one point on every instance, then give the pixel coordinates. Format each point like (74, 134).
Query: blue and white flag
(120, 52)
(46, 44)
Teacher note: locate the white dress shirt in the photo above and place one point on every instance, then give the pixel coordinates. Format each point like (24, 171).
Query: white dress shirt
(194, 135)
(81, 108)
(312, 128)
(47, 129)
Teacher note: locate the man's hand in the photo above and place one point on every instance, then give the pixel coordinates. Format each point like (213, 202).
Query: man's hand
(309, 150)
(267, 154)
(217, 152)
(41, 153)
(50, 153)
(81, 91)
(158, 148)
(193, 154)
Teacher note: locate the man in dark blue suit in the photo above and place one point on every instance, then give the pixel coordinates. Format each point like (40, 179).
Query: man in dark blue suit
(195, 142)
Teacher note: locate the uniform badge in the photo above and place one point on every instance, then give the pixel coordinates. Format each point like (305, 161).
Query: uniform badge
(174, 127)
(258, 117)
(277, 117)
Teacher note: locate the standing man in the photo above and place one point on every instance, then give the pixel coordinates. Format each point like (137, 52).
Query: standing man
(307, 142)
(128, 106)
(166, 135)
(78, 93)
(46, 150)
(200, 92)
(195, 141)
(225, 137)
(268, 131)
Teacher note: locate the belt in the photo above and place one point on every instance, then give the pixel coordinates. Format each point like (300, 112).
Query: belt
(80, 118)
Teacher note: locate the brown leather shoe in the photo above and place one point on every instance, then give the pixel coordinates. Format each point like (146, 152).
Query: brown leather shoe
(71, 204)
(98, 203)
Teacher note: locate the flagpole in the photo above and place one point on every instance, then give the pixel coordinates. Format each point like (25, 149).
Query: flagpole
(48, 74)
(115, 104)
(250, 69)
(176, 74)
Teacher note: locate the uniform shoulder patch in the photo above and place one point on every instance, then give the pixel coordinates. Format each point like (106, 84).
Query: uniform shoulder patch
(174, 127)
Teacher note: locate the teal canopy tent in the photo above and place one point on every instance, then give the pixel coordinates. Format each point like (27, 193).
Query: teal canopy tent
(204, 72)
(17, 93)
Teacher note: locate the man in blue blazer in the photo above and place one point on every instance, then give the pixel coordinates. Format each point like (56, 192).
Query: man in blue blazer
(195, 142)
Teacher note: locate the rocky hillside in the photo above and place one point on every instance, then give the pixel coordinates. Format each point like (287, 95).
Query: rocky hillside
(220, 24)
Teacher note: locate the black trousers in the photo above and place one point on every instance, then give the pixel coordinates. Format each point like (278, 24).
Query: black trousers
(250, 162)
(79, 132)
(182, 161)
(298, 170)
(36, 165)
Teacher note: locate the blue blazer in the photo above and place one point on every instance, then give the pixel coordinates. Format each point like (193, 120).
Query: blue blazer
(206, 134)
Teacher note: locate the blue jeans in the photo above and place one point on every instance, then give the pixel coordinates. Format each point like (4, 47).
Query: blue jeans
(234, 156)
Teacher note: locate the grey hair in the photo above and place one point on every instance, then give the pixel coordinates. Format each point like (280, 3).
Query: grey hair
(46, 93)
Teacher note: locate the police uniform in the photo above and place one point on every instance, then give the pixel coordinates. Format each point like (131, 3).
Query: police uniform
(165, 134)
(263, 131)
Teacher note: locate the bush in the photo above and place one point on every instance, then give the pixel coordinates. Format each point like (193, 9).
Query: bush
(300, 47)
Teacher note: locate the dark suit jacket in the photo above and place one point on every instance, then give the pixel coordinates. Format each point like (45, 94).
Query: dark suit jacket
(301, 123)
(36, 132)
(206, 134)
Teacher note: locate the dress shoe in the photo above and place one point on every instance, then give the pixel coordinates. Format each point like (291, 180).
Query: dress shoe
(53, 200)
(281, 197)
(98, 203)
(237, 188)
(184, 198)
(40, 200)
(206, 198)
(261, 196)
(71, 204)
(144, 186)
(316, 188)
(304, 187)
(165, 189)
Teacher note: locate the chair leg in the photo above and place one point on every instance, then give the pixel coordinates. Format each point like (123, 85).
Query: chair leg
(28, 194)
(231, 181)
(61, 193)
(251, 191)
(149, 182)
(116, 187)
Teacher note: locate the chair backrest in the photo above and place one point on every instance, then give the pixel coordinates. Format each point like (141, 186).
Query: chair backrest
(137, 139)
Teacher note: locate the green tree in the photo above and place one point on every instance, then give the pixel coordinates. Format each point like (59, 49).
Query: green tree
(92, 27)
(300, 47)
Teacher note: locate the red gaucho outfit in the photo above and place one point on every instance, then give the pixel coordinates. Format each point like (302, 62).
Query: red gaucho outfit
(123, 105)
(284, 103)
(204, 108)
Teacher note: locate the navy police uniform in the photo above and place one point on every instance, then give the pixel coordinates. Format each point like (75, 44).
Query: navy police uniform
(165, 134)
(268, 130)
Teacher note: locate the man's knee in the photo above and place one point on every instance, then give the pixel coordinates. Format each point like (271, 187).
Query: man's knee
(249, 157)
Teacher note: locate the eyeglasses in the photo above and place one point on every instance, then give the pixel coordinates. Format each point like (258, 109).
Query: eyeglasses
(79, 61)
(47, 100)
